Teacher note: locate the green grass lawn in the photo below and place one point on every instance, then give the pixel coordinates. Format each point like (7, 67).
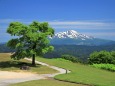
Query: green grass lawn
(79, 74)
(8, 64)
(82, 73)
(48, 82)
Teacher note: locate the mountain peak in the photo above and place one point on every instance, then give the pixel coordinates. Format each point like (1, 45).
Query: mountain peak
(71, 34)
(72, 37)
(71, 31)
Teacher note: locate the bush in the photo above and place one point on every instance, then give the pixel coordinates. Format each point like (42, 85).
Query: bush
(113, 54)
(102, 57)
(70, 58)
(109, 67)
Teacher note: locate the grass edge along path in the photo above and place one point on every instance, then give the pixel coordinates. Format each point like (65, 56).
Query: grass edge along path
(46, 82)
(83, 74)
(60, 70)
(50, 81)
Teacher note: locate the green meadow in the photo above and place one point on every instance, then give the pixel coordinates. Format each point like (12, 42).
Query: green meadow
(83, 74)
(80, 75)
(8, 64)
(47, 82)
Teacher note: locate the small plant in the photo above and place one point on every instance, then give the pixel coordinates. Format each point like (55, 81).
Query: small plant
(110, 67)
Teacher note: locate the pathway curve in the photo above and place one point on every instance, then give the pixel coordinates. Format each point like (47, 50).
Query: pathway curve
(7, 77)
(61, 70)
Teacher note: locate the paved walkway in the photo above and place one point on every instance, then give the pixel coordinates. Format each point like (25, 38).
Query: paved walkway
(7, 77)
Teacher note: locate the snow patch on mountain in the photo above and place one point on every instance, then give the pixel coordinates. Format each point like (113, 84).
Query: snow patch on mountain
(71, 34)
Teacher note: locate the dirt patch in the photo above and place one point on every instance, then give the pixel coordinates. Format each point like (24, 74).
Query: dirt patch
(10, 77)
(13, 75)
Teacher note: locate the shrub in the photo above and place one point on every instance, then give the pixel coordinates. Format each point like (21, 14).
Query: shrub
(101, 57)
(70, 58)
(109, 67)
(113, 54)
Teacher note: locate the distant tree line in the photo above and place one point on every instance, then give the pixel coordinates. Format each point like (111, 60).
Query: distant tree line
(5, 49)
(70, 58)
(81, 51)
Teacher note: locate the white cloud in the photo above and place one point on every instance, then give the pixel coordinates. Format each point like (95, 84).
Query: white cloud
(103, 35)
(82, 25)
(76, 23)
(94, 28)
(6, 21)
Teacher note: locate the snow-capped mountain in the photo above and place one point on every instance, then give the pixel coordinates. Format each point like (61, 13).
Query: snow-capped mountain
(72, 34)
(72, 37)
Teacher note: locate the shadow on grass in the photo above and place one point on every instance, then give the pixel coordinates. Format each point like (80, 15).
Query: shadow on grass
(16, 64)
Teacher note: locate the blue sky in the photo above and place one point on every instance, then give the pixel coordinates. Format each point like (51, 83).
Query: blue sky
(90, 17)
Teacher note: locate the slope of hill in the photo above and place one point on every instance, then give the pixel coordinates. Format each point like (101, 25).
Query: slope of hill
(72, 37)
(4, 48)
(82, 73)
(80, 51)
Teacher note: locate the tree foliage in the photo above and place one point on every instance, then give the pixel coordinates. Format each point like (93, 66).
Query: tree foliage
(102, 57)
(31, 39)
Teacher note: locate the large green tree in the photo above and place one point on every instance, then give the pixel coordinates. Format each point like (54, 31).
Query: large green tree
(31, 40)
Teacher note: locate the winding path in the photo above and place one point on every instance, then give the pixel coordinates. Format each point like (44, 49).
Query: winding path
(7, 77)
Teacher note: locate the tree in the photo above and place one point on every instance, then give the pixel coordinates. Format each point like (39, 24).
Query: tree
(32, 40)
(101, 57)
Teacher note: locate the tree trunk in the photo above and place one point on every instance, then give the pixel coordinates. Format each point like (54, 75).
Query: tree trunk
(33, 57)
(33, 60)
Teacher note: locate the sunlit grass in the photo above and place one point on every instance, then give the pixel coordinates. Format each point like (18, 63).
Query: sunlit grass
(8, 64)
(109, 67)
(82, 73)
(48, 82)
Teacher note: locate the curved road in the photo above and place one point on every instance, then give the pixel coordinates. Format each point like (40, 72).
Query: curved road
(7, 77)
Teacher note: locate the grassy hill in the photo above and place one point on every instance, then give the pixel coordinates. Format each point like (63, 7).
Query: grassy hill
(8, 64)
(47, 82)
(82, 73)
(80, 51)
